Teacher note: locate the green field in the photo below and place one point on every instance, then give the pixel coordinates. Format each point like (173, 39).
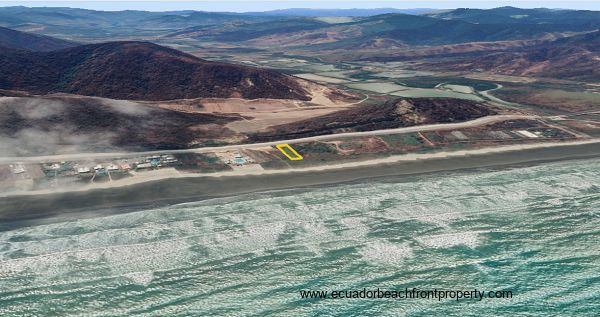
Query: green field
(433, 93)
(432, 81)
(381, 87)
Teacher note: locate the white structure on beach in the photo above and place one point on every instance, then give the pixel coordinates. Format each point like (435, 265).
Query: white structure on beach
(83, 170)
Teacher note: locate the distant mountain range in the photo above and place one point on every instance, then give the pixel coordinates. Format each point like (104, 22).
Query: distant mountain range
(456, 26)
(352, 27)
(140, 71)
(81, 23)
(307, 12)
(27, 41)
(234, 32)
(512, 15)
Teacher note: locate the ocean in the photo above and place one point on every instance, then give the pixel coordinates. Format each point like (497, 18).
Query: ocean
(531, 234)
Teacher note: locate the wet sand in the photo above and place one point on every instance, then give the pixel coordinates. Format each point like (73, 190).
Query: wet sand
(19, 210)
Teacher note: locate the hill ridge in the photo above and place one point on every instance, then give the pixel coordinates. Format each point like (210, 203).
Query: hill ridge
(140, 71)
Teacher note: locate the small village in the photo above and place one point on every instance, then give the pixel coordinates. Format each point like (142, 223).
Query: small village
(25, 176)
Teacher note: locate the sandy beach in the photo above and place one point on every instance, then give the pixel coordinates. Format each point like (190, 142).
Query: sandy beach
(169, 186)
(171, 173)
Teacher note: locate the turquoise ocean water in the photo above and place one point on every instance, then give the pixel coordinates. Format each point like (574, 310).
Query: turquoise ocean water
(534, 231)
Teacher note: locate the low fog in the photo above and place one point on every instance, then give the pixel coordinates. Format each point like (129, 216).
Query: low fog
(41, 125)
(64, 124)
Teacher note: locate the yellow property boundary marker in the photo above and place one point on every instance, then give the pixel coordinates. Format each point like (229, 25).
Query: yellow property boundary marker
(286, 149)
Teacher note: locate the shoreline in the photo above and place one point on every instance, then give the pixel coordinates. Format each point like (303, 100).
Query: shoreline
(168, 188)
(171, 173)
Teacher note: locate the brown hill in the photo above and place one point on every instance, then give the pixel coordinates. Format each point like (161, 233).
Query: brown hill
(397, 113)
(139, 71)
(26, 41)
(576, 57)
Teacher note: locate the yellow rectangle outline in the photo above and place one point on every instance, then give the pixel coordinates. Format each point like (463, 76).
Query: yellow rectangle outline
(281, 147)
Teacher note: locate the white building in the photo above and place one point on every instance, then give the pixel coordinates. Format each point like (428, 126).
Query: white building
(82, 170)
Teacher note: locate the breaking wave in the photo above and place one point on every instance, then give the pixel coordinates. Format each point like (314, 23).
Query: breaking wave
(530, 230)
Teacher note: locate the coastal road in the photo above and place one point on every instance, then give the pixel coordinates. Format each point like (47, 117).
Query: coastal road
(419, 128)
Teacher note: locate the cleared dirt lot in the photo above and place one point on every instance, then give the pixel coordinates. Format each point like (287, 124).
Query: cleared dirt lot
(244, 105)
(262, 121)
